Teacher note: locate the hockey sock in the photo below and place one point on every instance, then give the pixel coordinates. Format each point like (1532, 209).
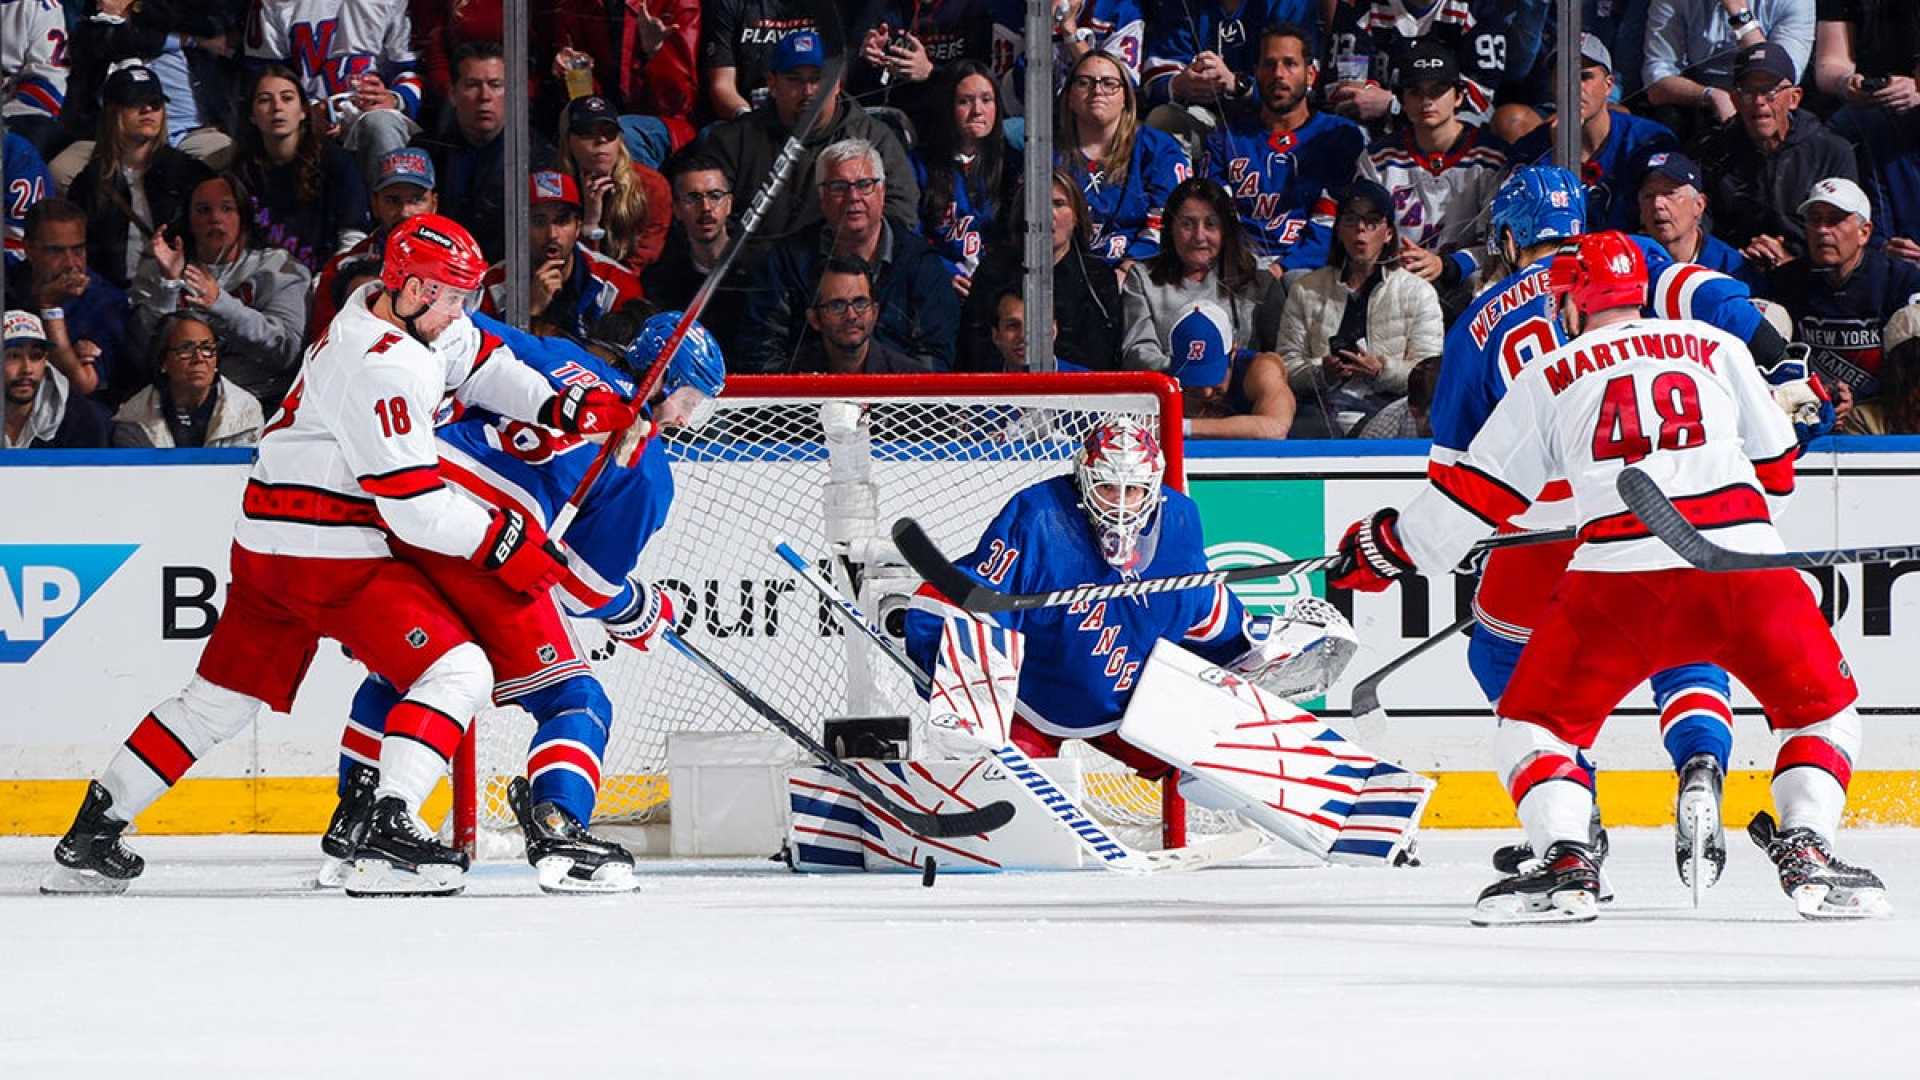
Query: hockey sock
(1695, 717)
(424, 731)
(170, 739)
(1491, 659)
(366, 725)
(1812, 771)
(563, 760)
(1551, 791)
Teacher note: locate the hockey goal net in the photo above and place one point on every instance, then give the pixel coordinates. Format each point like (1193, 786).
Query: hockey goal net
(826, 463)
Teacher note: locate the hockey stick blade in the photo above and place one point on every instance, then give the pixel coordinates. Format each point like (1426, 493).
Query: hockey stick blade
(1665, 521)
(926, 559)
(976, 822)
(1365, 700)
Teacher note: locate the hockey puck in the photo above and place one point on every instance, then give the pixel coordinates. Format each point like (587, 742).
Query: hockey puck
(927, 873)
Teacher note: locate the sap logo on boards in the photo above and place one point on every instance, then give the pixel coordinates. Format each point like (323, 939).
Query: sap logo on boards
(43, 585)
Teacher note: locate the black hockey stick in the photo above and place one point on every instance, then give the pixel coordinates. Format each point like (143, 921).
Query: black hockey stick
(1652, 506)
(921, 553)
(965, 823)
(1366, 693)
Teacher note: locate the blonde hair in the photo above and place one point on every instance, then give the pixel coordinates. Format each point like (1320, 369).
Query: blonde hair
(626, 207)
(1120, 150)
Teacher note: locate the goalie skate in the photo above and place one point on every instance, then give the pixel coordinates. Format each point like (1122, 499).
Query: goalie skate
(398, 857)
(1699, 838)
(1563, 888)
(568, 857)
(91, 858)
(348, 827)
(1518, 858)
(1822, 887)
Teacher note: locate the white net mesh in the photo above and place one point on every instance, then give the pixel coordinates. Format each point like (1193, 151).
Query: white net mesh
(828, 472)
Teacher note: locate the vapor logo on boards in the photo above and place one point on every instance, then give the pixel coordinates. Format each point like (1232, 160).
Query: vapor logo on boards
(43, 585)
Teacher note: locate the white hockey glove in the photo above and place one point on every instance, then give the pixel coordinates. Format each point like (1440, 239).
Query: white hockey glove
(1298, 655)
(1800, 394)
(976, 683)
(641, 623)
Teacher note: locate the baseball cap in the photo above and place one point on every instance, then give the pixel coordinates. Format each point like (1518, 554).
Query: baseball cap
(801, 48)
(588, 113)
(23, 326)
(405, 166)
(1594, 51)
(1368, 192)
(1902, 328)
(1842, 194)
(135, 84)
(1201, 345)
(1767, 56)
(1429, 61)
(550, 186)
(1677, 167)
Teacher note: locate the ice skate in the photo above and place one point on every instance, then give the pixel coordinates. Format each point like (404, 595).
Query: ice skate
(348, 827)
(1699, 838)
(568, 857)
(1518, 858)
(398, 857)
(91, 858)
(1563, 888)
(1822, 887)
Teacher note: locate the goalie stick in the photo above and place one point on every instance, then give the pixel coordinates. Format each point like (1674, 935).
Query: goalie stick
(1652, 506)
(922, 554)
(1108, 849)
(1365, 700)
(964, 823)
(627, 443)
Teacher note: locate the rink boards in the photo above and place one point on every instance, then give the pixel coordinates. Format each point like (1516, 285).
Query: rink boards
(114, 563)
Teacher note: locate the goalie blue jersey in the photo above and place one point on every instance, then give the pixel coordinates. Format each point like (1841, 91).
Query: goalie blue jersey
(1283, 186)
(1126, 214)
(1514, 321)
(1083, 661)
(535, 468)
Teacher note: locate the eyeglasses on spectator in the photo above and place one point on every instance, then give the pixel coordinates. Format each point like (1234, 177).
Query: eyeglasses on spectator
(859, 305)
(839, 188)
(1089, 84)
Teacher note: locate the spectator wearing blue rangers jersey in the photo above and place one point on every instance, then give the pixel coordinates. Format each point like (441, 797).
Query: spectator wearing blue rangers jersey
(1673, 209)
(1439, 170)
(1200, 58)
(969, 177)
(1125, 170)
(1369, 41)
(1614, 145)
(1281, 161)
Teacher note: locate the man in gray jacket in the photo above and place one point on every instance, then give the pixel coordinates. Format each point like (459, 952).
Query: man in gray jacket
(747, 144)
(254, 296)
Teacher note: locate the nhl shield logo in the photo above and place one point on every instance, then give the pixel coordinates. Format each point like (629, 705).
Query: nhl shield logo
(547, 654)
(417, 638)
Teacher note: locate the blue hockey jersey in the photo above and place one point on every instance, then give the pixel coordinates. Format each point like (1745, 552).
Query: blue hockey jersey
(1612, 175)
(535, 468)
(1284, 185)
(1085, 660)
(969, 224)
(1126, 215)
(1176, 33)
(27, 183)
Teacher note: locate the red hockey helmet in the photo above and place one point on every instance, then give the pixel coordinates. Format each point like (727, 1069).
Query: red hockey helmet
(435, 249)
(1599, 271)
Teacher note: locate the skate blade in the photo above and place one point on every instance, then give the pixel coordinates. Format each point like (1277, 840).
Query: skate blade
(66, 881)
(333, 873)
(1823, 903)
(1699, 843)
(377, 877)
(556, 876)
(1571, 906)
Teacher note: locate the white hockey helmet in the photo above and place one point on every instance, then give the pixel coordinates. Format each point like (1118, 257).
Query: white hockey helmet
(1119, 469)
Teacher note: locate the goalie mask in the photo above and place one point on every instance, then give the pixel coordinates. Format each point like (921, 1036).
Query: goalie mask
(1119, 470)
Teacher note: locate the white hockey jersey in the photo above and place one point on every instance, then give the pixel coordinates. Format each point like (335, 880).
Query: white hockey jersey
(1439, 200)
(351, 454)
(330, 42)
(1678, 398)
(33, 57)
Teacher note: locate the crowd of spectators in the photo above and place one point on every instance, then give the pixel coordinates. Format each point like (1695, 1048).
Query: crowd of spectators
(1280, 203)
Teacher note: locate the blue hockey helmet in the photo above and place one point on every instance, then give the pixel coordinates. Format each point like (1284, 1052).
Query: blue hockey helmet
(696, 363)
(1536, 204)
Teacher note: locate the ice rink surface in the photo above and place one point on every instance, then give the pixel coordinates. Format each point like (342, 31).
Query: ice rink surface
(224, 962)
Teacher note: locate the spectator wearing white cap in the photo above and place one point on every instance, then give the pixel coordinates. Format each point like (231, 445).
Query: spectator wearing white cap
(1673, 210)
(1844, 292)
(190, 404)
(1691, 44)
(1897, 410)
(42, 411)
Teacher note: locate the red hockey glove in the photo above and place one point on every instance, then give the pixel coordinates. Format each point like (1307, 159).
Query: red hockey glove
(640, 625)
(517, 549)
(1371, 555)
(587, 411)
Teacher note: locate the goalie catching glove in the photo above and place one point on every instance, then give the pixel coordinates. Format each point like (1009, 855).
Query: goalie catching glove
(1371, 554)
(584, 410)
(520, 552)
(640, 624)
(1297, 655)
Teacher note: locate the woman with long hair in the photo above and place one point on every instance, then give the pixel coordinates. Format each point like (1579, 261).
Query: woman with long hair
(1232, 388)
(627, 207)
(309, 197)
(135, 182)
(969, 176)
(1125, 170)
(1086, 299)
